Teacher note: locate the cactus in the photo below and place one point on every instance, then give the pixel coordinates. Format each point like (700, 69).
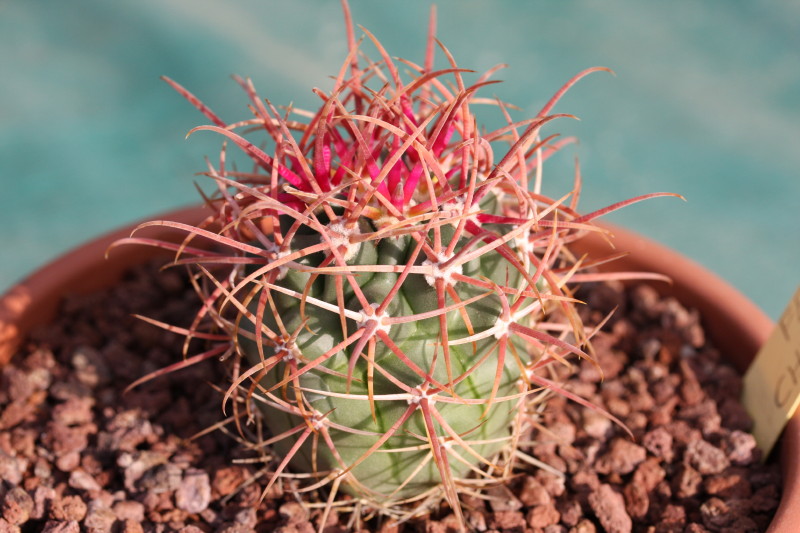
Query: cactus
(395, 284)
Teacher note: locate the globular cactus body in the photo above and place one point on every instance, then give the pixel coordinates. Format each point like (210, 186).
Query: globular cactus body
(370, 402)
(392, 293)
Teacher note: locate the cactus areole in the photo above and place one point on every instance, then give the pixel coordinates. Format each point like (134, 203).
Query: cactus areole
(396, 286)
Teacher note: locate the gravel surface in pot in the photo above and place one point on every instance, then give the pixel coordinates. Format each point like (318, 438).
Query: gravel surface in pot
(76, 454)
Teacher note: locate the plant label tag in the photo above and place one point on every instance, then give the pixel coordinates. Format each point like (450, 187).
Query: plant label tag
(771, 386)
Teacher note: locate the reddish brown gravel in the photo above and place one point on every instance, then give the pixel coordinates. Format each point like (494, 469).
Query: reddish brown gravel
(78, 455)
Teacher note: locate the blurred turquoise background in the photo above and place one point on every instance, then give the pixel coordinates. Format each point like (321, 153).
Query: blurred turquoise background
(706, 102)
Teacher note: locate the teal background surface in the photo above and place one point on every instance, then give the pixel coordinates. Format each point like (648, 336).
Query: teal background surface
(705, 102)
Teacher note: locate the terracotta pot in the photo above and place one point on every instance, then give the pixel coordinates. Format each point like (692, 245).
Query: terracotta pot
(734, 323)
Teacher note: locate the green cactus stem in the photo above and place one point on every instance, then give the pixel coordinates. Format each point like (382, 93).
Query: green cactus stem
(396, 286)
